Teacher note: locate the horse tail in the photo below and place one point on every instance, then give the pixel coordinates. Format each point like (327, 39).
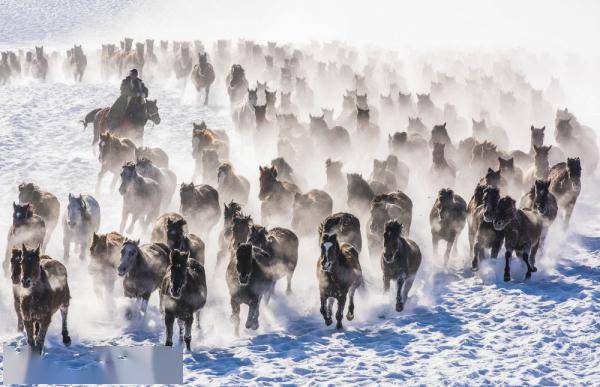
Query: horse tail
(90, 117)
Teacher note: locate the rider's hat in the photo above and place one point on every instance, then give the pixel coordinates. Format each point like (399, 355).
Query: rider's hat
(133, 72)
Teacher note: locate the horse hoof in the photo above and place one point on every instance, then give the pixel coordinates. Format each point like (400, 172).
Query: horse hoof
(188, 344)
(338, 325)
(169, 343)
(506, 277)
(534, 269)
(527, 276)
(350, 316)
(328, 321)
(474, 268)
(66, 340)
(399, 307)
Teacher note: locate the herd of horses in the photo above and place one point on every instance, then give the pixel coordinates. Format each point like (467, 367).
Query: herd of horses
(516, 195)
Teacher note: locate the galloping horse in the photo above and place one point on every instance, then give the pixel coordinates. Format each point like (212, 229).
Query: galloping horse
(132, 126)
(203, 75)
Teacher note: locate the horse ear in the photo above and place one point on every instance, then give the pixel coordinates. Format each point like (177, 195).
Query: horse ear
(532, 128)
(543, 128)
(94, 237)
(549, 147)
(137, 242)
(14, 205)
(444, 126)
(70, 197)
(37, 250)
(490, 170)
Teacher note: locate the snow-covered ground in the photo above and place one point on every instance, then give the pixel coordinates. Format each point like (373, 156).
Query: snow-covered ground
(456, 329)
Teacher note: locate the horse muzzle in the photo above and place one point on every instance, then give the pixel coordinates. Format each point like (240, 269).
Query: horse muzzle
(499, 226)
(388, 258)
(175, 294)
(26, 282)
(121, 271)
(244, 280)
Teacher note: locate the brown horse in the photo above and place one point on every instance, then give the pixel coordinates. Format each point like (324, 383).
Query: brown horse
(565, 185)
(27, 228)
(39, 65)
(43, 290)
(132, 125)
(276, 196)
(114, 152)
(447, 220)
(44, 204)
(203, 75)
(105, 255)
(338, 274)
(77, 63)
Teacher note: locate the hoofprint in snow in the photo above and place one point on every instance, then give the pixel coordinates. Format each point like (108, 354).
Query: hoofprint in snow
(456, 328)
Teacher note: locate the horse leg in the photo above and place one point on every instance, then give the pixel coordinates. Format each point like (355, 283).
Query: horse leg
(235, 315)
(144, 304)
(325, 310)
(534, 250)
(198, 320)
(386, 283)
(252, 319)
(188, 332)
(169, 321)
(66, 245)
(399, 298)
(113, 183)
(330, 301)
(17, 306)
(449, 244)
(350, 314)
(289, 275)
(40, 336)
(206, 91)
(434, 243)
(408, 283)
(83, 248)
(568, 213)
(525, 257)
(507, 256)
(339, 315)
(134, 218)
(471, 241)
(30, 334)
(64, 313)
(103, 170)
(181, 325)
(496, 249)
(455, 247)
(475, 262)
(124, 217)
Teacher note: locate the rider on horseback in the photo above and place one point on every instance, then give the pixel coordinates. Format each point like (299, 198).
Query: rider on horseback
(131, 101)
